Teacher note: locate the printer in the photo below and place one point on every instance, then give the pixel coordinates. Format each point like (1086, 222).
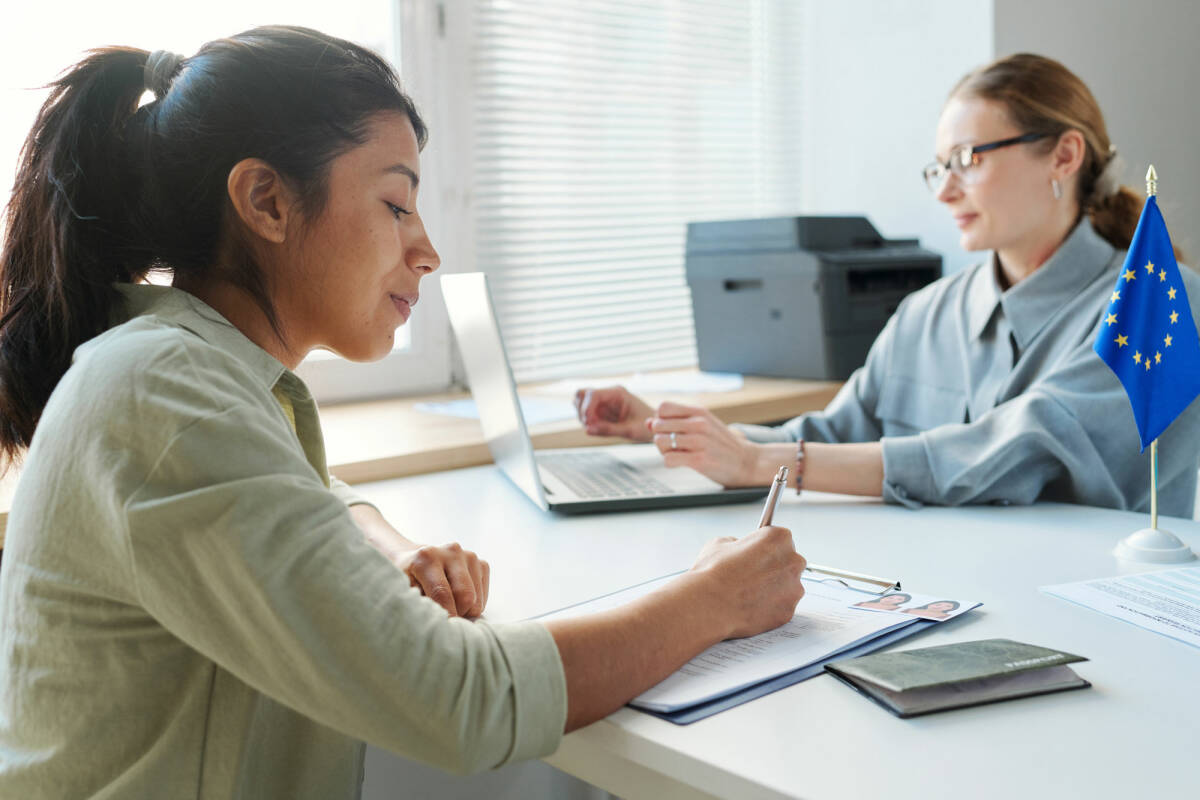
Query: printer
(797, 297)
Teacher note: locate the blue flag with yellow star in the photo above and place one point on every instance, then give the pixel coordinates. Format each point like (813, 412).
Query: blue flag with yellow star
(1147, 336)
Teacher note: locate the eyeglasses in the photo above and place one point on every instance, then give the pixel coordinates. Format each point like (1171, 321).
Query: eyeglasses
(964, 157)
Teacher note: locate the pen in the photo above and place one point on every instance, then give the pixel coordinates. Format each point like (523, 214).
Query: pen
(888, 585)
(773, 497)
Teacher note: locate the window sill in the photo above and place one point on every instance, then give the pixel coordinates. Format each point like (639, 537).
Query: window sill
(381, 439)
(376, 440)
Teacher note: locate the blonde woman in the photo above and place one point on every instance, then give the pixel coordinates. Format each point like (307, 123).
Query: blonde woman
(983, 387)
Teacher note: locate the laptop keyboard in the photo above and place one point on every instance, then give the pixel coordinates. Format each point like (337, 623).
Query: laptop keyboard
(601, 475)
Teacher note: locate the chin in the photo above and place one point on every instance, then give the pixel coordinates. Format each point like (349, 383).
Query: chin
(378, 351)
(972, 243)
(372, 350)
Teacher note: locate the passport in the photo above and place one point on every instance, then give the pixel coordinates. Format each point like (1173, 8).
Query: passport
(914, 682)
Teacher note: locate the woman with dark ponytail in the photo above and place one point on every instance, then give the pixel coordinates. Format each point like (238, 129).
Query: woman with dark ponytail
(983, 387)
(190, 606)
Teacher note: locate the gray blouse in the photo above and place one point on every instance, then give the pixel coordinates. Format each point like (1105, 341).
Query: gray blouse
(980, 395)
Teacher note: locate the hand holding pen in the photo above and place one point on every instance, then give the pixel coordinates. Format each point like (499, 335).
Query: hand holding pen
(769, 513)
(756, 576)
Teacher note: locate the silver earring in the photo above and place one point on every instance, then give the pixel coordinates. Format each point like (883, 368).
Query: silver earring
(1056, 187)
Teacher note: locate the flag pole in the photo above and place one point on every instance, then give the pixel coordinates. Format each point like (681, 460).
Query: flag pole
(1152, 544)
(1154, 484)
(1151, 190)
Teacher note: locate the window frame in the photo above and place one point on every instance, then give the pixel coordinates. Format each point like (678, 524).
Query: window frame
(422, 49)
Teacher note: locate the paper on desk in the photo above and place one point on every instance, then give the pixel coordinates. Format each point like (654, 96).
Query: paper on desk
(656, 383)
(824, 625)
(536, 410)
(1166, 602)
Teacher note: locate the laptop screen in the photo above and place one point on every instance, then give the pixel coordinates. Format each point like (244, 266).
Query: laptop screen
(492, 384)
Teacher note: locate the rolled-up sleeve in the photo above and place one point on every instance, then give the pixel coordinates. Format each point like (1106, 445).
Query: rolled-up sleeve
(241, 552)
(342, 491)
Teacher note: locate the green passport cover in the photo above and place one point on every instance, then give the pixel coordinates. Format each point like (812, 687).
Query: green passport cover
(950, 663)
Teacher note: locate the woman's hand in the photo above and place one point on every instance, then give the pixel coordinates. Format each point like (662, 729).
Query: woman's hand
(454, 578)
(755, 579)
(737, 587)
(705, 444)
(613, 411)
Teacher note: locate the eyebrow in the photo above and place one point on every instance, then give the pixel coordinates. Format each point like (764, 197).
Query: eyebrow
(404, 170)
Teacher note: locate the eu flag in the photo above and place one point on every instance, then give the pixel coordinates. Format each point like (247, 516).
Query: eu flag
(1147, 336)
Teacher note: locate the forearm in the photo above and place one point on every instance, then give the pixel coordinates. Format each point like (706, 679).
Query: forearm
(379, 532)
(842, 468)
(611, 657)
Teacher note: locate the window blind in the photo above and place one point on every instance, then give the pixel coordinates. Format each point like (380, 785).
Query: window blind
(601, 129)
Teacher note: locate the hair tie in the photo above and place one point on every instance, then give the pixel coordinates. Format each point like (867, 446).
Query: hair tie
(160, 69)
(1108, 182)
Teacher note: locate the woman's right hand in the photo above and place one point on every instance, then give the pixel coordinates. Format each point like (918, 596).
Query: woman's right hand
(736, 588)
(753, 582)
(613, 411)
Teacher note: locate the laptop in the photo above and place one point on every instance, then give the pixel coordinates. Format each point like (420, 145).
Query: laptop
(567, 480)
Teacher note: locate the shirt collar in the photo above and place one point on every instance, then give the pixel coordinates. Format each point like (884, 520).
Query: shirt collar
(983, 297)
(1033, 302)
(190, 313)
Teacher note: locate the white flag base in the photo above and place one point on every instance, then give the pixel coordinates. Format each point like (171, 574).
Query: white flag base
(1154, 546)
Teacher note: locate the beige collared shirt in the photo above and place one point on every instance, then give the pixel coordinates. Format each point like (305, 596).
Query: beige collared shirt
(188, 610)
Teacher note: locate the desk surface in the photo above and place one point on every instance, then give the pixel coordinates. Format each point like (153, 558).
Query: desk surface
(1133, 734)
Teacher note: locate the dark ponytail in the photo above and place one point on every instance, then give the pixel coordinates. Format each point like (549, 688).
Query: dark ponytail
(107, 191)
(67, 240)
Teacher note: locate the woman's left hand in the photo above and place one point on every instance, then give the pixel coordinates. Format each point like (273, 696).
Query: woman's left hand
(454, 578)
(704, 443)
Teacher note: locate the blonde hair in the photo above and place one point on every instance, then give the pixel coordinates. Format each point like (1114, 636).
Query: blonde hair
(1042, 96)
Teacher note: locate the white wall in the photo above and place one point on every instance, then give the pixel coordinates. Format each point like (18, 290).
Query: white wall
(875, 77)
(1142, 63)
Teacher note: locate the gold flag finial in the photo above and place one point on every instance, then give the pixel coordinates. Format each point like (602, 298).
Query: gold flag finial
(1151, 182)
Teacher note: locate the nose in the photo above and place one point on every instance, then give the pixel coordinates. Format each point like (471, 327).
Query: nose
(950, 188)
(420, 254)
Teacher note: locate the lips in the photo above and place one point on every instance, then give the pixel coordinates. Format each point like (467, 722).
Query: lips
(404, 304)
(963, 220)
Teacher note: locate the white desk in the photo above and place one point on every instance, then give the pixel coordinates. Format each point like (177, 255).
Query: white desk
(1136, 733)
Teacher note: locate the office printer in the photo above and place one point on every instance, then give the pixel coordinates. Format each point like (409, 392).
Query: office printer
(797, 297)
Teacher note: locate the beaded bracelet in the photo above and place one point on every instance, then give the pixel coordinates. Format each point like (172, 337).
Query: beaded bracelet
(799, 464)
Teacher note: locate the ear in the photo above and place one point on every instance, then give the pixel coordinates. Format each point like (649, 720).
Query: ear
(1067, 157)
(261, 198)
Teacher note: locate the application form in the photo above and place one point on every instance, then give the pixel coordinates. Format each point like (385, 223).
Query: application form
(1166, 602)
(826, 623)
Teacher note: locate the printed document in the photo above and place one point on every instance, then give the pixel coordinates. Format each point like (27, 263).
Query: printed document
(1166, 602)
(826, 623)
